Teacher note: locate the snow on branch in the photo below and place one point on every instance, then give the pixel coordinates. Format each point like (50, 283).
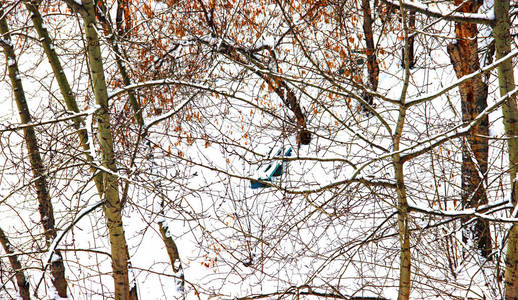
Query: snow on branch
(51, 256)
(306, 290)
(158, 82)
(438, 139)
(486, 19)
(193, 85)
(12, 127)
(455, 132)
(367, 180)
(480, 212)
(461, 80)
(90, 134)
(166, 115)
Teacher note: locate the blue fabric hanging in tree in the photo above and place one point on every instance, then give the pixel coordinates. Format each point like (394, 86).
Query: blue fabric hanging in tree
(272, 169)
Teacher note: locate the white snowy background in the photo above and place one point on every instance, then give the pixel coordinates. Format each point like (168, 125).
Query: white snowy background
(311, 230)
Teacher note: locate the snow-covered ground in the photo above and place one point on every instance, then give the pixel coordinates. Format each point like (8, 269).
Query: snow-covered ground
(319, 229)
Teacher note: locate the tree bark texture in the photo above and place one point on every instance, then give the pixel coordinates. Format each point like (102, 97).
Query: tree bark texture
(167, 239)
(122, 9)
(64, 86)
(404, 232)
(169, 243)
(21, 281)
(506, 82)
(113, 208)
(68, 96)
(465, 60)
(405, 260)
(411, 41)
(372, 60)
(59, 74)
(45, 207)
(289, 98)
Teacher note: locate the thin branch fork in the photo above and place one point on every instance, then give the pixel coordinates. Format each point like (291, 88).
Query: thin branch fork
(60, 237)
(456, 132)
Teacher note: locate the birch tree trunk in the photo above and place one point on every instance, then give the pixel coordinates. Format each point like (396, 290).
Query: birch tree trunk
(45, 207)
(113, 207)
(63, 83)
(403, 229)
(169, 243)
(68, 96)
(405, 259)
(501, 33)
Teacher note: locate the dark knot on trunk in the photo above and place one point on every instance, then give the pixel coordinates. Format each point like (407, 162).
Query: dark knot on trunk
(303, 137)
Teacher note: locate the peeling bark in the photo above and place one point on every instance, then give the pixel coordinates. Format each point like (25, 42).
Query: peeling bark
(372, 60)
(465, 60)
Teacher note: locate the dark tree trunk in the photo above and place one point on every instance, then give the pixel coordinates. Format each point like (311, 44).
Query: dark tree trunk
(278, 85)
(21, 281)
(411, 38)
(370, 51)
(465, 60)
